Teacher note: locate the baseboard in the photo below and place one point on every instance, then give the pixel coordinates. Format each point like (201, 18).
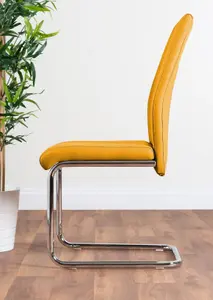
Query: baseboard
(101, 198)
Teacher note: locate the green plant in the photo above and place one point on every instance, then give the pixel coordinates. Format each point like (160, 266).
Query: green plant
(22, 42)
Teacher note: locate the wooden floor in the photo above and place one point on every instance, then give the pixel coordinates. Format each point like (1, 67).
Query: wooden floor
(28, 273)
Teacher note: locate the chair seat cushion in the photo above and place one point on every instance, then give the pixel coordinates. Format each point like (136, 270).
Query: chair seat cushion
(96, 151)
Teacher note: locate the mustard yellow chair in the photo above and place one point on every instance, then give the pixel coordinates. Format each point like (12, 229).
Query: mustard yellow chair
(121, 154)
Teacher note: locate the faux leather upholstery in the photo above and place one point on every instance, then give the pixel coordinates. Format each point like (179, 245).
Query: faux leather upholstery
(107, 150)
(158, 117)
(161, 91)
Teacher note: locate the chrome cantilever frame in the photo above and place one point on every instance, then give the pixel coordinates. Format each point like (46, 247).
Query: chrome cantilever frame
(56, 171)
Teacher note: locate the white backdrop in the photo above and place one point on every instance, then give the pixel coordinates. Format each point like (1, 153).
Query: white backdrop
(97, 74)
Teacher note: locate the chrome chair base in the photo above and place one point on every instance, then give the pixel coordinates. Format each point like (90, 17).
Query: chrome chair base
(57, 170)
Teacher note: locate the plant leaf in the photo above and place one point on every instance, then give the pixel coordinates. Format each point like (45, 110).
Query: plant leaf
(53, 4)
(6, 90)
(38, 28)
(33, 72)
(35, 8)
(32, 101)
(40, 50)
(22, 123)
(44, 36)
(19, 91)
(28, 26)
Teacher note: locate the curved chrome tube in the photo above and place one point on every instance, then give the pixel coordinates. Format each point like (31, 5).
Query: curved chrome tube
(56, 171)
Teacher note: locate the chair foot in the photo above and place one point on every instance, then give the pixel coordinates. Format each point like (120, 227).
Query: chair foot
(122, 264)
(122, 246)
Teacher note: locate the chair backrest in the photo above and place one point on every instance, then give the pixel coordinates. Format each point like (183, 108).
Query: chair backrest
(161, 91)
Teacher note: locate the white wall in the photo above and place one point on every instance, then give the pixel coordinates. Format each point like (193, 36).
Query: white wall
(97, 75)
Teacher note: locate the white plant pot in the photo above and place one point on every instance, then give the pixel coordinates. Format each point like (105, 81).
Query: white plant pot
(9, 203)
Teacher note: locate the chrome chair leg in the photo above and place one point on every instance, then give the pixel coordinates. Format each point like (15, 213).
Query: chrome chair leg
(57, 171)
(59, 204)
